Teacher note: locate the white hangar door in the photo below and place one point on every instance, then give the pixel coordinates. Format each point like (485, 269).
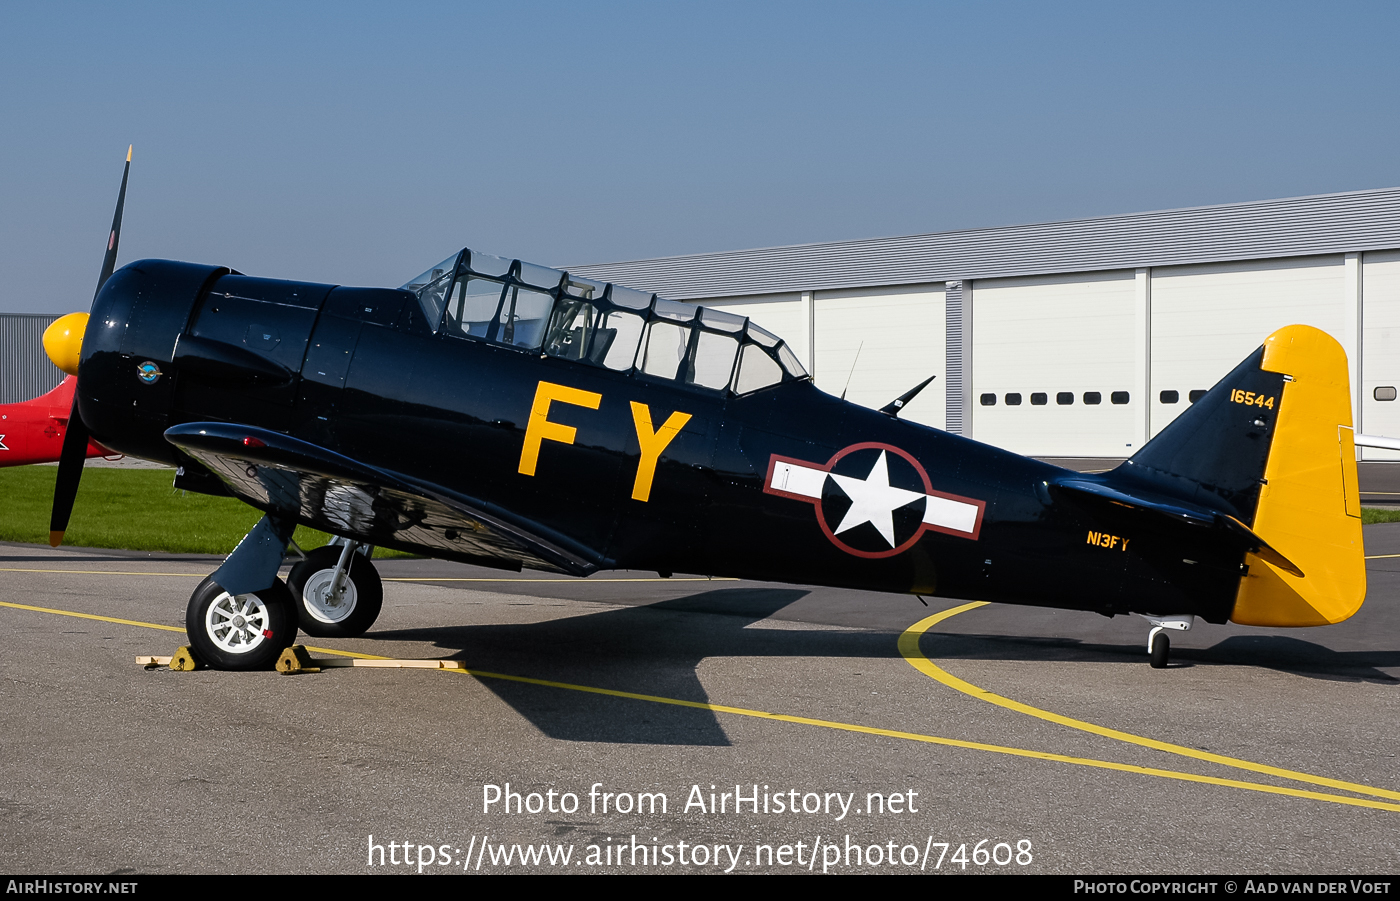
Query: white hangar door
(1053, 364)
(882, 342)
(785, 315)
(1207, 318)
(1380, 350)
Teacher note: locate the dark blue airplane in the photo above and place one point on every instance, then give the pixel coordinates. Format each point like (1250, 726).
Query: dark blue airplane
(506, 414)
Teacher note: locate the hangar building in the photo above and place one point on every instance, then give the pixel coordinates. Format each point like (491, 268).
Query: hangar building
(1080, 338)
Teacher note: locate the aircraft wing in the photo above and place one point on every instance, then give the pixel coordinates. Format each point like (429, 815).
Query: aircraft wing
(328, 491)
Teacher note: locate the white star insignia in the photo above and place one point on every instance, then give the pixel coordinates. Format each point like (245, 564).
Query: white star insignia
(874, 500)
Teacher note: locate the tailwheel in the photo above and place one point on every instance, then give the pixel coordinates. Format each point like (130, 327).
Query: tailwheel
(1159, 646)
(331, 607)
(240, 632)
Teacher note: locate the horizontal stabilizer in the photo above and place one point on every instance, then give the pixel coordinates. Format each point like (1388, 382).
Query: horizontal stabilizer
(1179, 511)
(1377, 441)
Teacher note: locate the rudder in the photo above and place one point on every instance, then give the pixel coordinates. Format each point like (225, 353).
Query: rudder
(1309, 506)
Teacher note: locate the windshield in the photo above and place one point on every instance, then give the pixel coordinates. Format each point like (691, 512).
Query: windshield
(432, 286)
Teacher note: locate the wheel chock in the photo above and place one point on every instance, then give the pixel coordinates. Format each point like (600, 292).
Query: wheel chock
(295, 660)
(152, 662)
(184, 661)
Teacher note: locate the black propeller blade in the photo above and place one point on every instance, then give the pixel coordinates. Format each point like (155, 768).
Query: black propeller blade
(75, 440)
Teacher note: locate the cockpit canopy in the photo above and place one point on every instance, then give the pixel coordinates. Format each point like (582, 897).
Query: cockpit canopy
(516, 304)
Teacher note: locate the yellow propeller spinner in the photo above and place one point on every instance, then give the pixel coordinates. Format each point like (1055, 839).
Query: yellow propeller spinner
(63, 341)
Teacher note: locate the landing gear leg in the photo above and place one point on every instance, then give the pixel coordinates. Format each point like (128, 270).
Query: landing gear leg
(241, 617)
(1158, 645)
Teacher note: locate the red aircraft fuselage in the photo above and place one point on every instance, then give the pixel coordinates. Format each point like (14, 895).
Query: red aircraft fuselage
(31, 431)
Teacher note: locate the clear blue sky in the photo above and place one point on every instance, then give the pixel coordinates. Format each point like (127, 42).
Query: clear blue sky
(359, 143)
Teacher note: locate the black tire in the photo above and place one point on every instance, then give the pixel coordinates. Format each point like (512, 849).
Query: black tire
(309, 581)
(1161, 650)
(243, 632)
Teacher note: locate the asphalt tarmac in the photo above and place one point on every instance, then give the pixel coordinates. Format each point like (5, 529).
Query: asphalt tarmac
(1005, 739)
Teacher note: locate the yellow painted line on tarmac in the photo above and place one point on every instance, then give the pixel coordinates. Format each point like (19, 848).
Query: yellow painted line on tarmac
(909, 649)
(574, 580)
(105, 619)
(99, 572)
(829, 724)
(115, 572)
(1382, 556)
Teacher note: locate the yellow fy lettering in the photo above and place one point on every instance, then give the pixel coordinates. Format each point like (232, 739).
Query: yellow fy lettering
(652, 444)
(540, 429)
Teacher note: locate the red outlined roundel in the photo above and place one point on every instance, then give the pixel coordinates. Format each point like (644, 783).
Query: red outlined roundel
(879, 518)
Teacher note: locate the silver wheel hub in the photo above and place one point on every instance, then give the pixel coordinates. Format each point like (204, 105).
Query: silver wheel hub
(238, 623)
(321, 604)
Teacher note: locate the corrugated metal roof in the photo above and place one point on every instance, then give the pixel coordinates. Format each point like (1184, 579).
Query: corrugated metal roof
(1294, 226)
(25, 370)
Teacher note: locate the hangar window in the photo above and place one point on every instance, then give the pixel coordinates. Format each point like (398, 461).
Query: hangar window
(1196, 395)
(1387, 393)
(1119, 397)
(1013, 400)
(1093, 397)
(989, 400)
(1169, 397)
(1038, 399)
(1064, 398)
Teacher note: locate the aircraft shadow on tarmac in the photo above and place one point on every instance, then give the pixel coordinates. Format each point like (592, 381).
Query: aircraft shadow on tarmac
(1277, 652)
(653, 649)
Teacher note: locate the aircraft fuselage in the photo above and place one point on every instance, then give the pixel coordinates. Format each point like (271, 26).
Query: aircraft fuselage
(629, 471)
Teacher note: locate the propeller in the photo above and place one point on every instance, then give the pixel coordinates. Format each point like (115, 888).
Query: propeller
(67, 344)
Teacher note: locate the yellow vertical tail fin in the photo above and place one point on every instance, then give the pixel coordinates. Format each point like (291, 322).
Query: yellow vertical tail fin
(1309, 505)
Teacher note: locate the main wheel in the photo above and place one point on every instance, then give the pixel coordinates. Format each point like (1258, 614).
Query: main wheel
(240, 632)
(1161, 649)
(323, 616)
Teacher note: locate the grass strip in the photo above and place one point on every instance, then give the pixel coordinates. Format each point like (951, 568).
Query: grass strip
(133, 509)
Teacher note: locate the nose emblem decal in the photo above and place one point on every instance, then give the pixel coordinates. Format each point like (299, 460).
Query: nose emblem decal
(148, 372)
